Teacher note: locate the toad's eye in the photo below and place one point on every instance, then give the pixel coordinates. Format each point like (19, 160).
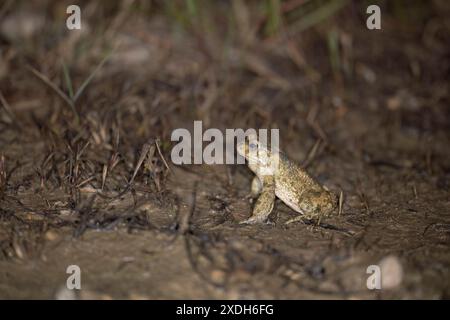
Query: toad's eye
(252, 146)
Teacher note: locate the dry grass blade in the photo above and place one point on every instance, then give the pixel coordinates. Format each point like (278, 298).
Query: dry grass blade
(311, 119)
(47, 160)
(80, 153)
(82, 183)
(3, 177)
(298, 58)
(161, 155)
(264, 70)
(7, 107)
(312, 153)
(104, 173)
(55, 88)
(341, 202)
(144, 151)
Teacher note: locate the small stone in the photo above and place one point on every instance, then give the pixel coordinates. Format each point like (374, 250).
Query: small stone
(391, 272)
(51, 235)
(218, 276)
(65, 294)
(138, 296)
(86, 294)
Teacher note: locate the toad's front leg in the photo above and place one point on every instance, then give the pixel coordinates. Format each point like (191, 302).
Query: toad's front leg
(265, 202)
(256, 187)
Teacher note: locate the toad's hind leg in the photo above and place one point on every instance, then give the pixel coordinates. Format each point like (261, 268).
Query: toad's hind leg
(264, 203)
(295, 219)
(302, 217)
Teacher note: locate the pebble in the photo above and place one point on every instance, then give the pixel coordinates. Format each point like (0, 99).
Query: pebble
(391, 272)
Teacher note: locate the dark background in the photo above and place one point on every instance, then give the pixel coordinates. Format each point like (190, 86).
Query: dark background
(83, 113)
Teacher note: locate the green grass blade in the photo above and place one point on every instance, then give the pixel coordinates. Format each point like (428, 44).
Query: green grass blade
(321, 13)
(68, 80)
(91, 76)
(273, 16)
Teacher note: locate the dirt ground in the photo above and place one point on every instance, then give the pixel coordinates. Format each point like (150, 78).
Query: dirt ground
(85, 171)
